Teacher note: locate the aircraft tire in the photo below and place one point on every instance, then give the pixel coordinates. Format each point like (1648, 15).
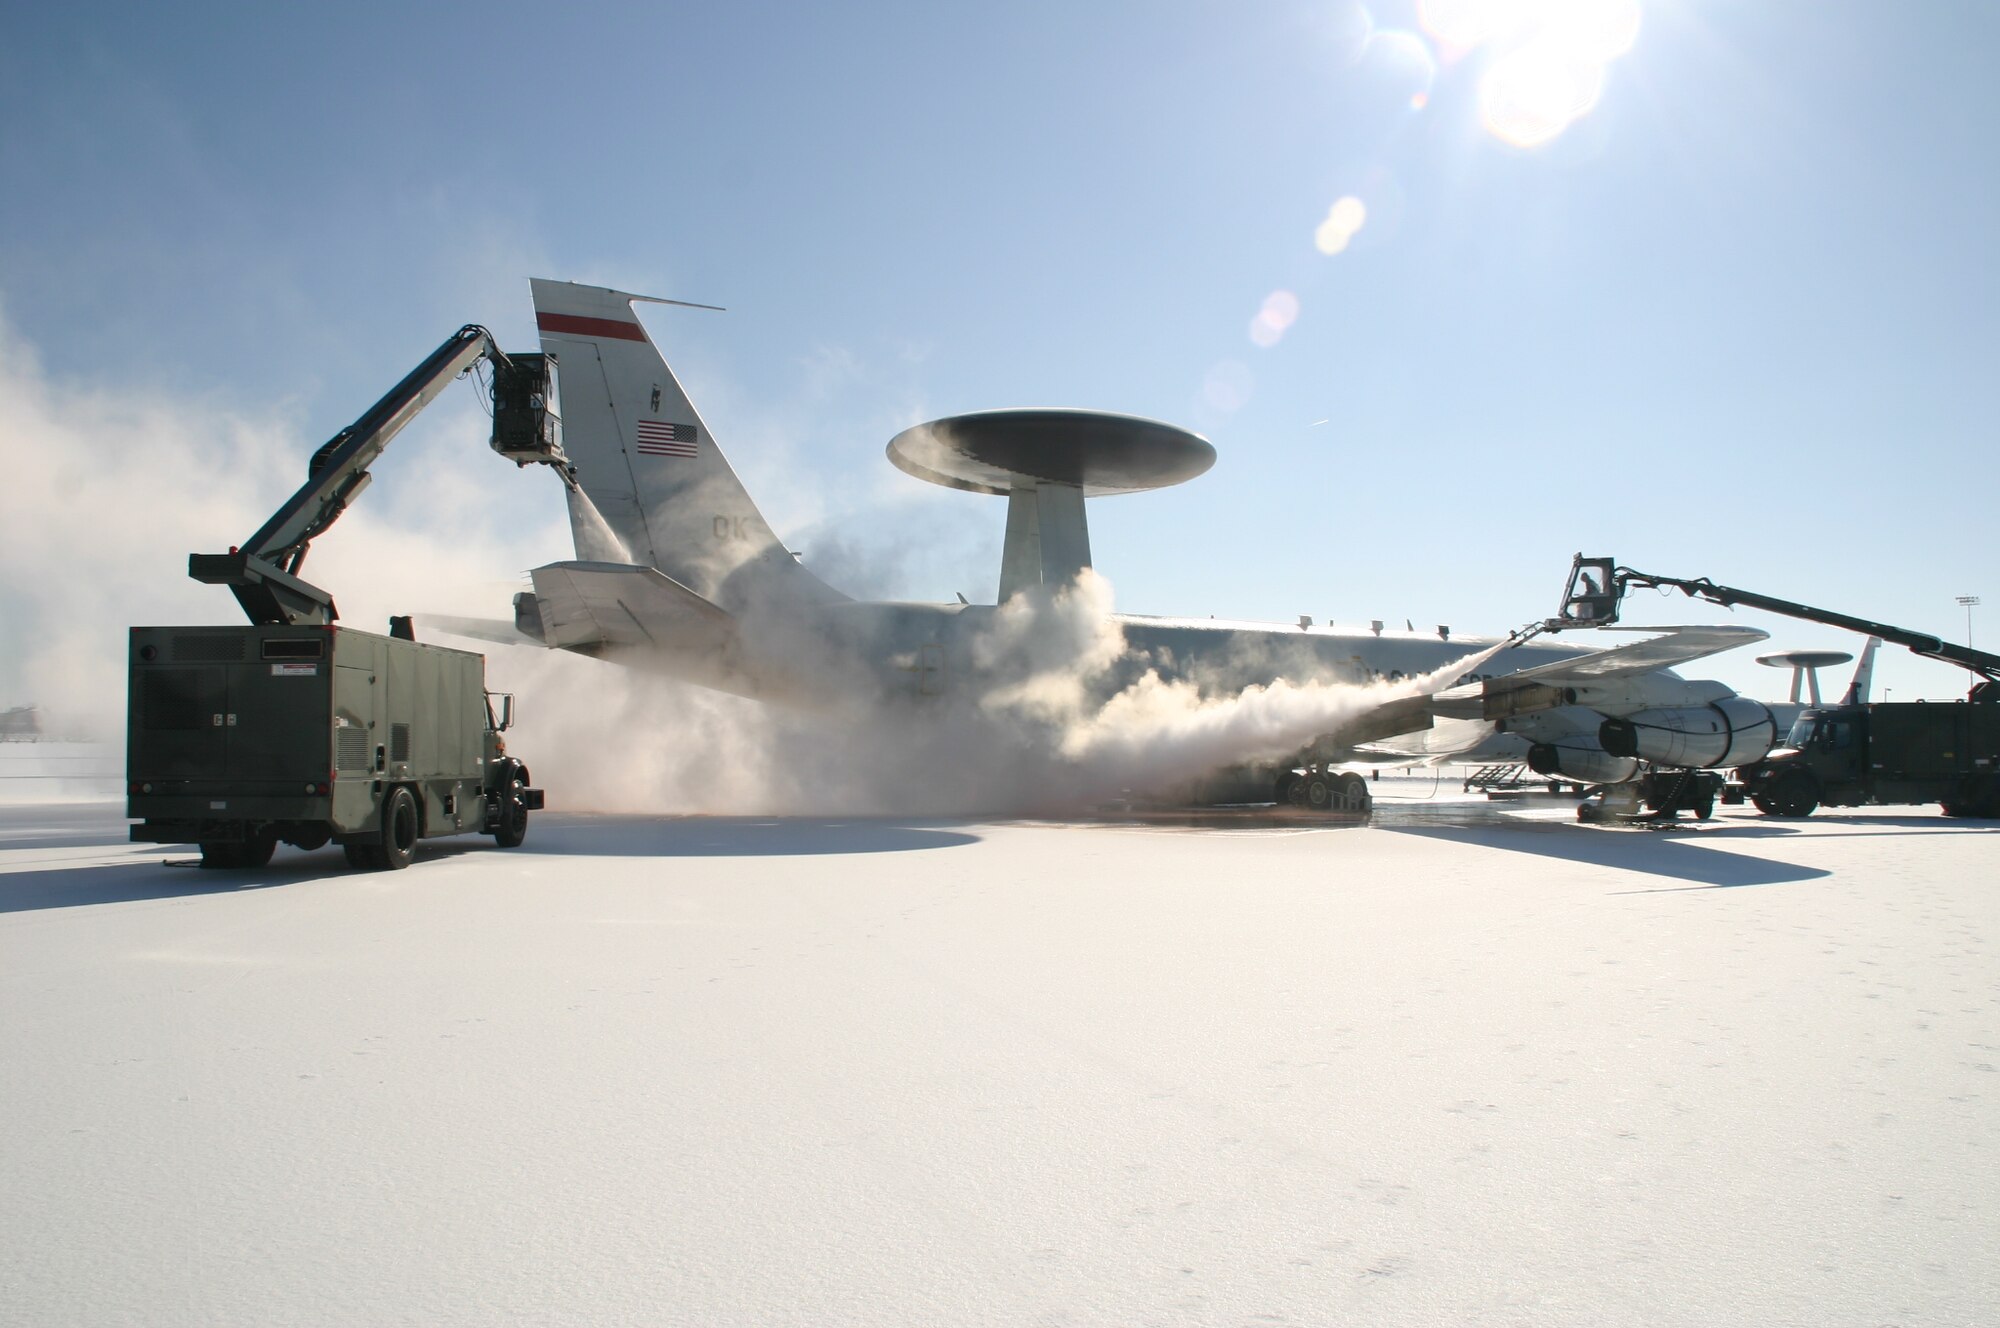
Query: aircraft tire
(1283, 790)
(1319, 794)
(1351, 794)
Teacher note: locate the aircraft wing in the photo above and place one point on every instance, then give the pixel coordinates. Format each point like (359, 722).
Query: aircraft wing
(1547, 685)
(1542, 688)
(1679, 645)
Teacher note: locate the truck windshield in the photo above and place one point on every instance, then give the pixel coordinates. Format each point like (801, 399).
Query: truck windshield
(1802, 731)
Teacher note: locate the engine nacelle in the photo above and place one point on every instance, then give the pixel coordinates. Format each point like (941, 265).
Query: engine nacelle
(1729, 732)
(1582, 760)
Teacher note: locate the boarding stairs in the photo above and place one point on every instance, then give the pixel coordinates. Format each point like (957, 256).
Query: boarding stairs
(1502, 777)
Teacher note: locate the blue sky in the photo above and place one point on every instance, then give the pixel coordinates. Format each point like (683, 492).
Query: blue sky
(1739, 320)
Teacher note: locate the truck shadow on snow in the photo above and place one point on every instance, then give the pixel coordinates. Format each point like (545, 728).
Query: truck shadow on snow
(567, 836)
(176, 877)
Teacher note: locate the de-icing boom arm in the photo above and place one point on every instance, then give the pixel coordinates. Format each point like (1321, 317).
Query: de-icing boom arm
(1596, 585)
(263, 571)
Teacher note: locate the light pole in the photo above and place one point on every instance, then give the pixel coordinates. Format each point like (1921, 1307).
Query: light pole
(1970, 602)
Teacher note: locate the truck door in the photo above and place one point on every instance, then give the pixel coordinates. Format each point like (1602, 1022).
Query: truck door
(276, 722)
(1841, 741)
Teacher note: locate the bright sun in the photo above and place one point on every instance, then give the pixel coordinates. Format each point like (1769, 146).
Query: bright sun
(1549, 57)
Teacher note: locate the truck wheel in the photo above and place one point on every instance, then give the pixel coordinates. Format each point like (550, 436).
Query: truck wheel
(1793, 794)
(513, 827)
(399, 830)
(257, 853)
(1975, 796)
(219, 856)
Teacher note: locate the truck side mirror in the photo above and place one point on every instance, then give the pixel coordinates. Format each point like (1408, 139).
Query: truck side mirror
(505, 719)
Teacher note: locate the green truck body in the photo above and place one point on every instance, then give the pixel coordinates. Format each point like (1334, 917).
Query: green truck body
(1883, 755)
(241, 737)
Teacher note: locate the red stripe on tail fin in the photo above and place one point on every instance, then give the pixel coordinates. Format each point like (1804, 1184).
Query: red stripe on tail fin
(578, 326)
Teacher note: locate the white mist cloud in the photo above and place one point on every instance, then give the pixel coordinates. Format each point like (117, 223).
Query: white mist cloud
(108, 490)
(597, 736)
(1043, 726)
(1045, 731)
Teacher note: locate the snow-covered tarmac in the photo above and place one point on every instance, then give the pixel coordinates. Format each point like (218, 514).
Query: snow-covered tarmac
(1454, 1067)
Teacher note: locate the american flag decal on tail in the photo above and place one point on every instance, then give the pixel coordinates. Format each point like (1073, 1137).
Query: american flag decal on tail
(659, 438)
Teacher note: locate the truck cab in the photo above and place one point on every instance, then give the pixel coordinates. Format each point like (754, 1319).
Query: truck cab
(1829, 742)
(1823, 760)
(1906, 752)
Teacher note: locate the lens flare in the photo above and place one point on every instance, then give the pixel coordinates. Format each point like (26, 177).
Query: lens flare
(1228, 386)
(1468, 23)
(1401, 63)
(1280, 311)
(1344, 221)
(1348, 27)
(1598, 30)
(1531, 95)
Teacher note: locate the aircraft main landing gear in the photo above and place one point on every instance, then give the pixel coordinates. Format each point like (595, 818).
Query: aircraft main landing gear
(1316, 788)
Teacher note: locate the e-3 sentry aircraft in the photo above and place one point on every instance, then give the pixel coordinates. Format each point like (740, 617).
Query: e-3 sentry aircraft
(677, 571)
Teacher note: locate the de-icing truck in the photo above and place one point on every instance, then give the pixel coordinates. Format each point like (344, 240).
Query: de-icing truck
(295, 729)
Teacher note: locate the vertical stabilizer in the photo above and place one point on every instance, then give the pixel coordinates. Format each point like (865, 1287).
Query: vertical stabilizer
(1864, 675)
(660, 487)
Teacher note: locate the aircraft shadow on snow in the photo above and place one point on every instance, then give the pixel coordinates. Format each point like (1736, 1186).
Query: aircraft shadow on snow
(642, 836)
(1677, 855)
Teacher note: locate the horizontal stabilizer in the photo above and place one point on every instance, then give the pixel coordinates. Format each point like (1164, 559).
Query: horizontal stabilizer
(478, 629)
(641, 616)
(586, 604)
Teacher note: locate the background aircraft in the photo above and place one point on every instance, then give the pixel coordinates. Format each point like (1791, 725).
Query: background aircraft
(679, 572)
